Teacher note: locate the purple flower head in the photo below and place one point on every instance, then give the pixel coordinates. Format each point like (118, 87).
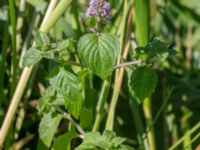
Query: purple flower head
(99, 9)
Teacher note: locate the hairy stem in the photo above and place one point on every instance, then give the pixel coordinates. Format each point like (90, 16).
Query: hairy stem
(126, 64)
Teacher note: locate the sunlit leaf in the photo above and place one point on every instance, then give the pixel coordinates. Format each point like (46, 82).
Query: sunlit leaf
(99, 53)
(108, 140)
(31, 57)
(68, 85)
(41, 39)
(48, 127)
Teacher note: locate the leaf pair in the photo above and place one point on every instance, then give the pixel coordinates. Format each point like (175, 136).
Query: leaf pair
(65, 89)
(43, 48)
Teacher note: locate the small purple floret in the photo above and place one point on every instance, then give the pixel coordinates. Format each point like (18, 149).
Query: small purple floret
(99, 9)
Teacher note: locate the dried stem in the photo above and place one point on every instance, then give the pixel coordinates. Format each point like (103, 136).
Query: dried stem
(118, 79)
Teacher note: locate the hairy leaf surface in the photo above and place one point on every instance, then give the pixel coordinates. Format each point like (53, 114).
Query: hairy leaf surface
(68, 85)
(99, 53)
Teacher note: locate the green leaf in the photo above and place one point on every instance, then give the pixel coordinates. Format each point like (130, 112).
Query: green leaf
(156, 48)
(86, 117)
(31, 57)
(90, 141)
(99, 53)
(126, 147)
(63, 141)
(108, 135)
(68, 85)
(108, 140)
(46, 98)
(48, 127)
(40, 5)
(118, 141)
(41, 145)
(41, 39)
(142, 83)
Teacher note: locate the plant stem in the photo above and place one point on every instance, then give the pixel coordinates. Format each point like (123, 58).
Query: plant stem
(141, 134)
(149, 122)
(101, 103)
(48, 14)
(142, 21)
(126, 64)
(192, 140)
(196, 127)
(14, 49)
(59, 10)
(161, 109)
(119, 77)
(27, 72)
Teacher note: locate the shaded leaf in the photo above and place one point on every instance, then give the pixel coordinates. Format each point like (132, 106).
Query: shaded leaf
(86, 117)
(41, 145)
(63, 141)
(142, 83)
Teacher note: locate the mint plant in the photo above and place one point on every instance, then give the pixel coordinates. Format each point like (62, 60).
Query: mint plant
(66, 96)
(99, 75)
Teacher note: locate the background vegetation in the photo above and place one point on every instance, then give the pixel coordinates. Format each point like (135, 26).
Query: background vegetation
(168, 120)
